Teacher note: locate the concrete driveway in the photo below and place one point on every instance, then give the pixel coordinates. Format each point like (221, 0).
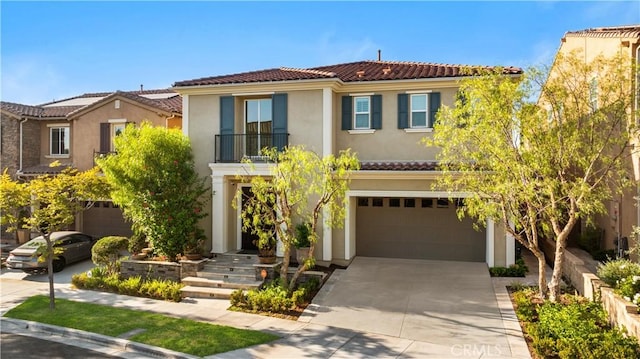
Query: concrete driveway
(451, 305)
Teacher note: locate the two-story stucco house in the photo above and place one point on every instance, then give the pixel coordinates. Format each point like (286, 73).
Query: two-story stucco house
(73, 131)
(379, 109)
(623, 212)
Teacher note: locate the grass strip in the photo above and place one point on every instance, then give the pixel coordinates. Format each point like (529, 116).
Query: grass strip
(182, 335)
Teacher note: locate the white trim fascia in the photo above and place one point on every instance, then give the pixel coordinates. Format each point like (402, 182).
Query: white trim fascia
(418, 91)
(185, 115)
(362, 94)
(240, 169)
(253, 93)
(117, 120)
(327, 121)
(314, 84)
(405, 194)
(418, 130)
(58, 125)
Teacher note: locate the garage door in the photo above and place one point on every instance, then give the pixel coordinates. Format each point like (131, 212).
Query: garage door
(416, 228)
(105, 219)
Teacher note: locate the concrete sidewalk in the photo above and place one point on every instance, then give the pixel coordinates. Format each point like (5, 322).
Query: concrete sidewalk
(298, 339)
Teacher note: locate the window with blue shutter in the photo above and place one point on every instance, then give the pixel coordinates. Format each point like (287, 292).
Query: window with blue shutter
(376, 112)
(279, 119)
(403, 111)
(347, 106)
(434, 106)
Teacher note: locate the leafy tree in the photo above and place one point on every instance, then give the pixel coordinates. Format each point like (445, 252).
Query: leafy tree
(53, 203)
(301, 186)
(153, 179)
(539, 166)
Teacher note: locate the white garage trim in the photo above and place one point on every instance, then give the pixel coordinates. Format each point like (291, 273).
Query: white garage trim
(350, 217)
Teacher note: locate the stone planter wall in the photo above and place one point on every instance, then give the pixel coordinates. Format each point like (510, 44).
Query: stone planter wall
(161, 270)
(621, 313)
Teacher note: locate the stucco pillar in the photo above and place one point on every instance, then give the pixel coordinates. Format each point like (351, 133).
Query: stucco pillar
(350, 228)
(510, 243)
(490, 251)
(327, 149)
(327, 238)
(219, 230)
(185, 115)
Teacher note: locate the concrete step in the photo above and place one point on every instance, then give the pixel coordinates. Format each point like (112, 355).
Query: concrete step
(227, 276)
(216, 283)
(206, 292)
(234, 257)
(229, 268)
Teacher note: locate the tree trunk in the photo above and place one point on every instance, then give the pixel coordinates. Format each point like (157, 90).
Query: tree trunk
(285, 262)
(554, 285)
(542, 272)
(52, 294)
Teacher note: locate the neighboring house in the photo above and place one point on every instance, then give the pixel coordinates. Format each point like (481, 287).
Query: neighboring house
(623, 213)
(74, 131)
(379, 109)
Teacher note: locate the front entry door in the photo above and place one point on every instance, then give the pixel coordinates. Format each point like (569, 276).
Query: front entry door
(248, 239)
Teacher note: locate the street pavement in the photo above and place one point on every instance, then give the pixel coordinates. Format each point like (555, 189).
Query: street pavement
(313, 336)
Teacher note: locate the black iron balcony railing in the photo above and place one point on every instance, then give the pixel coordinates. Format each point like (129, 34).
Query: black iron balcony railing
(233, 148)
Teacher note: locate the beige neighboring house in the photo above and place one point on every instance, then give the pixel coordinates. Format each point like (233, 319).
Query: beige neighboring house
(379, 109)
(74, 131)
(624, 212)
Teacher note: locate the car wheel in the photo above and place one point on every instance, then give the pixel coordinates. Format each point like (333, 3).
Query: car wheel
(58, 265)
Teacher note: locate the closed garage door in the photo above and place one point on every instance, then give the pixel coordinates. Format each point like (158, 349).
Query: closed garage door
(105, 219)
(416, 228)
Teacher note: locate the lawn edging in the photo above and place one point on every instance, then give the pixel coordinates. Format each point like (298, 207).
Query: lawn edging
(621, 312)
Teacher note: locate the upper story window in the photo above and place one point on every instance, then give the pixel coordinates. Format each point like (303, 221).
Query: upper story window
(59, 140)
(109, 131)
(258, 125)
(361, 113)
(419, 112)
(116, 130)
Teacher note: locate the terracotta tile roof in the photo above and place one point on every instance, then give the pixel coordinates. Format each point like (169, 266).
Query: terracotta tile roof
(399, 166)
(168, 105)
(104, 94)
(347, 72)
(21, 110)
(59, 111)
(44, 170)
(612, 31)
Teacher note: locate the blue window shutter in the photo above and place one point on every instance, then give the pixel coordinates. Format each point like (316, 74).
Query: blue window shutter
(347, 108)
(279, 117)
(376, 113)
(434, 106)
(403, 110)
(227, 128)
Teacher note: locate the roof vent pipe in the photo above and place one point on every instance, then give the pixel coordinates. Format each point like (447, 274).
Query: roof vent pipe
(141, 88)
(379, 54)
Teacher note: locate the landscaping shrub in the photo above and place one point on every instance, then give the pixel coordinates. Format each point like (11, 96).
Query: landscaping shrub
(629, 289)
(106, 252)
(98, 279)
(573, 328)
(613, 271)
(519, 269)
(273, 297)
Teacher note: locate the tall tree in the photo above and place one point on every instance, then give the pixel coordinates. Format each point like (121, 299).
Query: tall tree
(153, 178)
(540, 166)
(53, 203)
(302, 187)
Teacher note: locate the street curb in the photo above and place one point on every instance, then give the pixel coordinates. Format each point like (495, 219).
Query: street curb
(104, 340)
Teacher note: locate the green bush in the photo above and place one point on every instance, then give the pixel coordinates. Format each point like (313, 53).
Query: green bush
(573, 328)
(106, 252)
(137, 243)
(613, 271)
(629, 289)
(273, 297)
(519, 269)
(98, 279)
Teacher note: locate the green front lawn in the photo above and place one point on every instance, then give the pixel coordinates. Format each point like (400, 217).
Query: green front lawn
(182, 335)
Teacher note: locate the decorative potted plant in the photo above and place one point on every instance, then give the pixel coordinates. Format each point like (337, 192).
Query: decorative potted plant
(193, 247)
(266, 249)
(302, 243)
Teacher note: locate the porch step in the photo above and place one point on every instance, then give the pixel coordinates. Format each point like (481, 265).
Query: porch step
(234, 258)
(206, 292)
(229, 276)
(235, 268)
(216, 283)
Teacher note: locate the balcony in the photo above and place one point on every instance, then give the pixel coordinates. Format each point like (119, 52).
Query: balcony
(234, 148)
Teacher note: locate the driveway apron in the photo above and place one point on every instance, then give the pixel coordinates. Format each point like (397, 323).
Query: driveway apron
(447, 303)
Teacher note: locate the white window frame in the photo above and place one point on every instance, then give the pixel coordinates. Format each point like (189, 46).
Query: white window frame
(426, 111)
(113, 134)
(257, 156)
(67, 130)
(356, 113)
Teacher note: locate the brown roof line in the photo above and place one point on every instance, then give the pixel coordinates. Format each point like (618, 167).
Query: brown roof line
(347, 72)
(610, 31)
(158, 104)
(104, 94)
(21, 110)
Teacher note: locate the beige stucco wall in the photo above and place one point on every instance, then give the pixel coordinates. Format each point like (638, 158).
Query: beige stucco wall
(86, 127)
(388, 143)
